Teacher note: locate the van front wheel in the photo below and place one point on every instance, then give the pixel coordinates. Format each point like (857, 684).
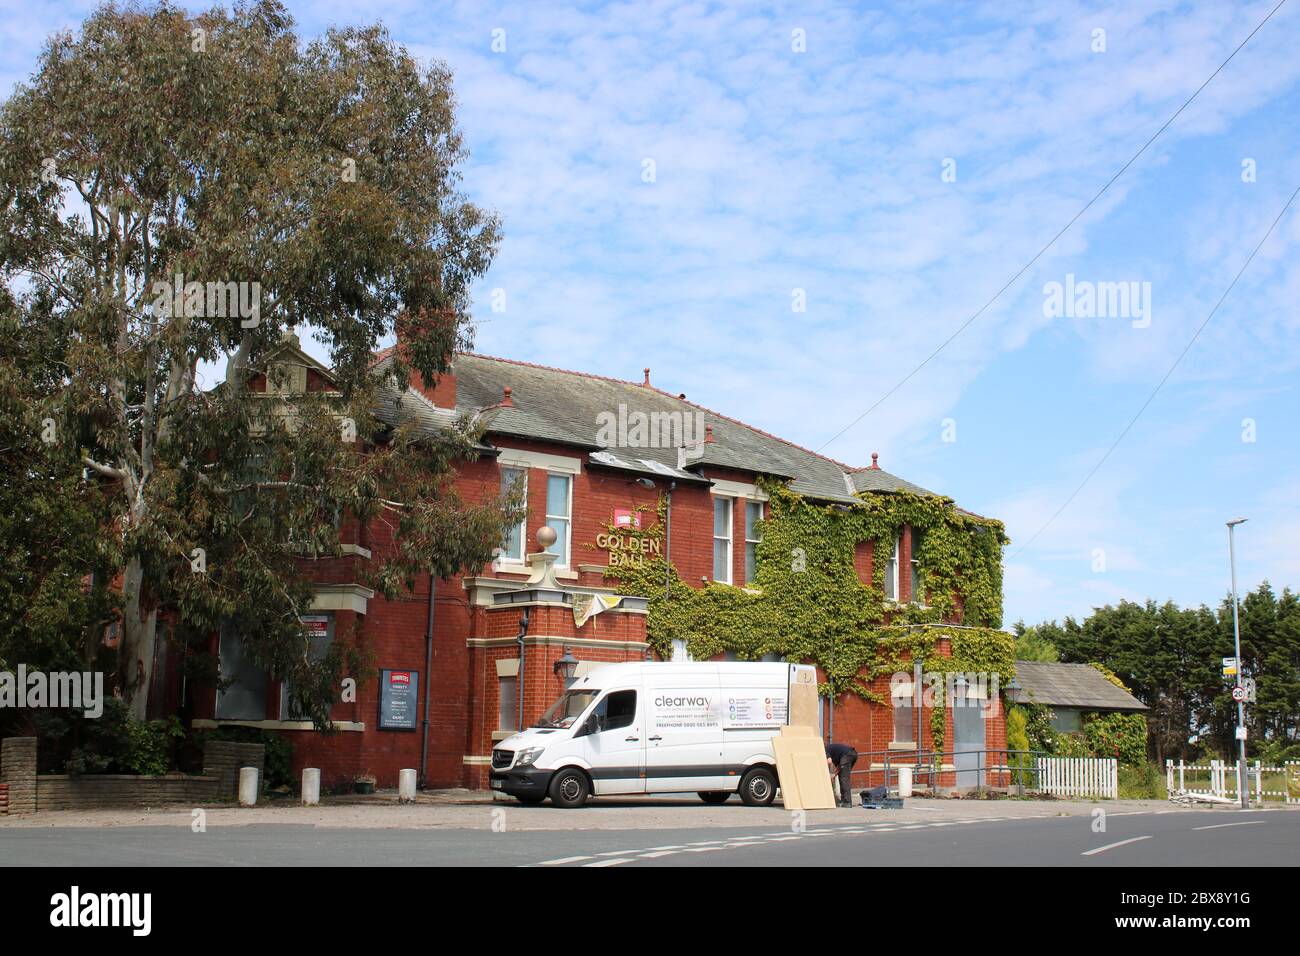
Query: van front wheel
(758, 788)
(570, 789)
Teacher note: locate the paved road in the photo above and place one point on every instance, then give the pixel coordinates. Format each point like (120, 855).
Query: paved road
(1165, 838)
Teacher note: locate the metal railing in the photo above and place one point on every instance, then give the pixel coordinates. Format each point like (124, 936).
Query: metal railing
(1021, 769)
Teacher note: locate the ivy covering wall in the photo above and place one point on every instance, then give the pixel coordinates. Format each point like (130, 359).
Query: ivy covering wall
(807, 603)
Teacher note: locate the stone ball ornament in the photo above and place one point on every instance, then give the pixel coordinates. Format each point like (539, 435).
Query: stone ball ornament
(546, 536)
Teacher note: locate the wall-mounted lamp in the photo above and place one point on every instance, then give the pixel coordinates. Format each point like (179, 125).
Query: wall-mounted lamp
(1014, 691)
(566, 666)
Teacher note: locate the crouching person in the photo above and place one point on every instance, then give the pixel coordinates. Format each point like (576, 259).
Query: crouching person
(840, 759)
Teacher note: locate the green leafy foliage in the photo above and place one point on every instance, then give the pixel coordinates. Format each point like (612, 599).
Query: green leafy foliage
(321, 177)
(115, 742)
(808, 604)
(1032, 645)
(1170, 658)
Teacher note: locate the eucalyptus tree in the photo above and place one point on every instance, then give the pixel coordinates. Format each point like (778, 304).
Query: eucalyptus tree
(176, 193)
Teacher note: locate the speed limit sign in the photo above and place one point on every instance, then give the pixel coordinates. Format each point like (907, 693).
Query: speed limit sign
(1239, 694)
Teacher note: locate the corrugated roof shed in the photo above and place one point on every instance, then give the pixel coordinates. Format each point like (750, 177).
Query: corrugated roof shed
(1072, 685)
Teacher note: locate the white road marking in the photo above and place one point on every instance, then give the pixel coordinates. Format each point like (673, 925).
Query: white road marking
(625, 859)
(1111, 846)
(564, 860)
(655, 856)
(1219, 826)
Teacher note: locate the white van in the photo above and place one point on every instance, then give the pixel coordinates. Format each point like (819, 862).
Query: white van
(649, 727)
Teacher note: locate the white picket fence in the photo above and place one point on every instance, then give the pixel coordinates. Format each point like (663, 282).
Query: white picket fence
(1218, 778)
(1079, 776)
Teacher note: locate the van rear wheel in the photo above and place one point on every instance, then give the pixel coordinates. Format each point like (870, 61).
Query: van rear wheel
(758, 788)
(569, 789)
(714, 797)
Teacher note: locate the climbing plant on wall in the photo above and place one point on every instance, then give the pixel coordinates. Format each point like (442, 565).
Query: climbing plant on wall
(807, 602)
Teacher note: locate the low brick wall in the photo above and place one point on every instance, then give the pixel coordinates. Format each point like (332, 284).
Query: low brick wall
(18, 773)
(98, 791)
(223, 759)
(22, 791)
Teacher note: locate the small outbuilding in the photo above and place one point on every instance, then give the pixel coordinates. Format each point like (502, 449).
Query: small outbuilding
(1072, 690)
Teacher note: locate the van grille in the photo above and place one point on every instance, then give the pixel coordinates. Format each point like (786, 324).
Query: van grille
(502, 759)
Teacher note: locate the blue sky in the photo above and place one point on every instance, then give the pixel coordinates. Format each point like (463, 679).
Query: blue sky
(822, 170)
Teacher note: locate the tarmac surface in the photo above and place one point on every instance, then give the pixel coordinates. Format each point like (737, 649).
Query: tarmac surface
(444, 830)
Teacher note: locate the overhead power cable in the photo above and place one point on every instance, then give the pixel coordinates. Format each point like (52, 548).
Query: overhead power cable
(1159, 385)
(1051, 242)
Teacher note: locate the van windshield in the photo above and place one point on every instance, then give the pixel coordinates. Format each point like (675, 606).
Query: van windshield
(567, 709)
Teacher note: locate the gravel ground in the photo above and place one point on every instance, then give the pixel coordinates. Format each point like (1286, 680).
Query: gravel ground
(465, 809)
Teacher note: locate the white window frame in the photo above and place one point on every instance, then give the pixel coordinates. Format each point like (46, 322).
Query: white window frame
(503, 557)
(762, 513)
(891, 570)
(730, 538)
(563, 560)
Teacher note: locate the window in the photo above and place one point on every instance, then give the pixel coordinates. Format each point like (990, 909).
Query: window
(567, 709)
(891, 573)
(680, 653)
(245, 697)
(722, 540)
(918, 592)
(559, 490)
(753, 515)
(512, 549)
(904, 715)
(508, 704)
(320, 635)
(616, 710)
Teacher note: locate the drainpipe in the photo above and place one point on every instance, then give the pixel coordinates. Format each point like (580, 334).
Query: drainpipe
(428, 667)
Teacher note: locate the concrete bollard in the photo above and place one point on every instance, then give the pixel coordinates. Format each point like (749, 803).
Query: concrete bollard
(406, 786)
(247, 786)
(904, 781)
(310, 786)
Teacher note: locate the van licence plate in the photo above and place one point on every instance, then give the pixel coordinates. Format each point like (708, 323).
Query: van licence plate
(495, 784)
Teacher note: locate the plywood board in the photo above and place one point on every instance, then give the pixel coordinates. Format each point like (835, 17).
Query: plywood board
(805, 705)
(801, 766)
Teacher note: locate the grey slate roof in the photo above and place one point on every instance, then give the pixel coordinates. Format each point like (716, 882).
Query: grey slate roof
(1072, 685)
(550, 404)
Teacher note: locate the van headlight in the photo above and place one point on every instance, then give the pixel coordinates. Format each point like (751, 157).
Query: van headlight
(529, 756)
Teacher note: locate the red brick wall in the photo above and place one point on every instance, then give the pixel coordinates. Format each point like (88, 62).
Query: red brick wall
(463, 685)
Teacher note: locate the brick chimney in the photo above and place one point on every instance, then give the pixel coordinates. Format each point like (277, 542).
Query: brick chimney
(443, 390)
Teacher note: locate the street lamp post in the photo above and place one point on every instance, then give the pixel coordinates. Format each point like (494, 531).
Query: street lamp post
(1241, 702)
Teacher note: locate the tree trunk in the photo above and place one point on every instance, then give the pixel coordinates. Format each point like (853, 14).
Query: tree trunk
(135, 654)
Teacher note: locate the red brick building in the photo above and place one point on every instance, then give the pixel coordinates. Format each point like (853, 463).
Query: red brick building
(591, 451)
